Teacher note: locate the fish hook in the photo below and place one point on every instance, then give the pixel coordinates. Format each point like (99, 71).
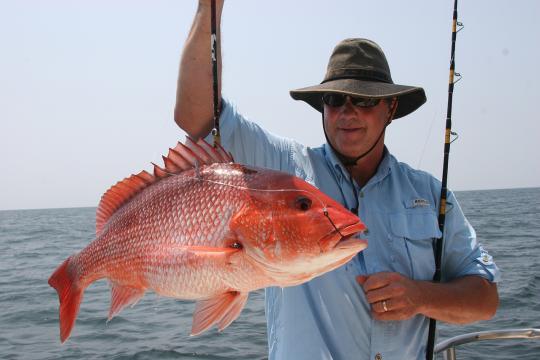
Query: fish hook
(198, 171)
(325, 212)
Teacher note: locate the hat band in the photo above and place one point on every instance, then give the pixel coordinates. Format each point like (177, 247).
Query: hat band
(360, 74)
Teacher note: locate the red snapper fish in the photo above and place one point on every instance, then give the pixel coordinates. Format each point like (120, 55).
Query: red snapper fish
(204, 228)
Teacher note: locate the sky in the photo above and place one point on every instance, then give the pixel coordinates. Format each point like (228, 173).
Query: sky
(87, 88)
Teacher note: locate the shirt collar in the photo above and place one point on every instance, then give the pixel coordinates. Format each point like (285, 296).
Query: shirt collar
(341, 172)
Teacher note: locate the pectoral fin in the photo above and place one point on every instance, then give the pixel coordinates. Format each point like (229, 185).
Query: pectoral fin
(221, 310)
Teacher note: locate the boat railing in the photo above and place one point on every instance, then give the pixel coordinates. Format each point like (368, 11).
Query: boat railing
(448, 347)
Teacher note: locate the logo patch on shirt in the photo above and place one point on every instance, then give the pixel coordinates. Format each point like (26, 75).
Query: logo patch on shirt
(420, 203)
(484, 257)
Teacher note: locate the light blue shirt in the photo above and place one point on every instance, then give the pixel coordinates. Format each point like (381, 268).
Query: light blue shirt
(329, 317)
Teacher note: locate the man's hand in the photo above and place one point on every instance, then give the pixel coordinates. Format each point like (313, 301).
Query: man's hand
(461, 301)
(392, 296)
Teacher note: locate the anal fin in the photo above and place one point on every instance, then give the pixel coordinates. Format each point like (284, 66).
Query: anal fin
(221, 310)
(122, 296)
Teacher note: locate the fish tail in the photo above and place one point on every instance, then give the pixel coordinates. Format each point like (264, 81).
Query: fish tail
(70, 295)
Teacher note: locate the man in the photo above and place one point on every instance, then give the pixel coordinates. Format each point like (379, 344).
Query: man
(377, 306)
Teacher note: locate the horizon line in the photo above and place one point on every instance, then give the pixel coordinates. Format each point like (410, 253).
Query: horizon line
(90, 207)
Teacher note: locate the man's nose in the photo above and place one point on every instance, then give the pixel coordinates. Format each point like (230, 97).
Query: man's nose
(348, 106)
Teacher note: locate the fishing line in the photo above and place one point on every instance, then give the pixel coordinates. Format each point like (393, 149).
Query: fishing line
(215, 88)
(215, 130)
(198, 177)
(426, 142)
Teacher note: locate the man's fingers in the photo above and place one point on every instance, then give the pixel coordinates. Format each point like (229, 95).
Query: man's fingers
(361, 279)
(381, 306)
(392, 304)
(388, 294)
(374, 296)
(377, 281)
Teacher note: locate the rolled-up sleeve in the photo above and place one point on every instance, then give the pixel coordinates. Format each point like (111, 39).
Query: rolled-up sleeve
(463, 254)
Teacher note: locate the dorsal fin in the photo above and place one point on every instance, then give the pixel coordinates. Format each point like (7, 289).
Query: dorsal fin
(179, 159)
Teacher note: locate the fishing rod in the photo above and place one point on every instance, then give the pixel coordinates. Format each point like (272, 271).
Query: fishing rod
(444, 190)
(214, 53)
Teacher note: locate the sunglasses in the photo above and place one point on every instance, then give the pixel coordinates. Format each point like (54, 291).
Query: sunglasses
(337, 100)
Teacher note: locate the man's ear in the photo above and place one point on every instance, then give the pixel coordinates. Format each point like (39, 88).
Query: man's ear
(392, 110)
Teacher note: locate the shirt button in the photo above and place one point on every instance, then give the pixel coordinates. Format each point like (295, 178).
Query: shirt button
(378, 356)
(361, 194)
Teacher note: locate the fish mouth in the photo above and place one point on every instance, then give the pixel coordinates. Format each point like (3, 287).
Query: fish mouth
(343, 238)
(336, 248)
(351, 243)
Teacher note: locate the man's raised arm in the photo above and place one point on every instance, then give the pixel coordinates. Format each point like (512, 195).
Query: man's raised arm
(194, 94)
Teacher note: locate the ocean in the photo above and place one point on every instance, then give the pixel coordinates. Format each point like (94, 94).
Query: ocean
(34, 242)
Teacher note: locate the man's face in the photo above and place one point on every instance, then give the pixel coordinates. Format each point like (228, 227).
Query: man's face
(351, 129)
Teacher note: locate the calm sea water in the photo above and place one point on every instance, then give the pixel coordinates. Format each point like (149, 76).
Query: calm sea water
(34, 242)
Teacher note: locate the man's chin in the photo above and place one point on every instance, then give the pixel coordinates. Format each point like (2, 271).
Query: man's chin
(350, 152)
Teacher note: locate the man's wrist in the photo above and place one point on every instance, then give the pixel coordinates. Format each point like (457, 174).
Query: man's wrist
(426, 296)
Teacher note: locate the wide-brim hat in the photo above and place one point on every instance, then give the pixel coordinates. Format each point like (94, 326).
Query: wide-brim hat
(358, 67)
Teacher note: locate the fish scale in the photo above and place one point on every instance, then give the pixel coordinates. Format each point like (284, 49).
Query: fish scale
(206, 230)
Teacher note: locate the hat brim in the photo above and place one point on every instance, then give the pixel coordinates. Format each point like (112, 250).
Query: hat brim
(410, 98)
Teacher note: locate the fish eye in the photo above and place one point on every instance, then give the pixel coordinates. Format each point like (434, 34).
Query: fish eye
(303, 203)
(236, 245)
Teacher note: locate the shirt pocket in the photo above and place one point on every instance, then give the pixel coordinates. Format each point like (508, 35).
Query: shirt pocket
(416, 231)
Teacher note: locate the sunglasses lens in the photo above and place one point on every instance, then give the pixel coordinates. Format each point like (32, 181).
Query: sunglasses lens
(364, 102)
(334, 100)
(337, 100)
